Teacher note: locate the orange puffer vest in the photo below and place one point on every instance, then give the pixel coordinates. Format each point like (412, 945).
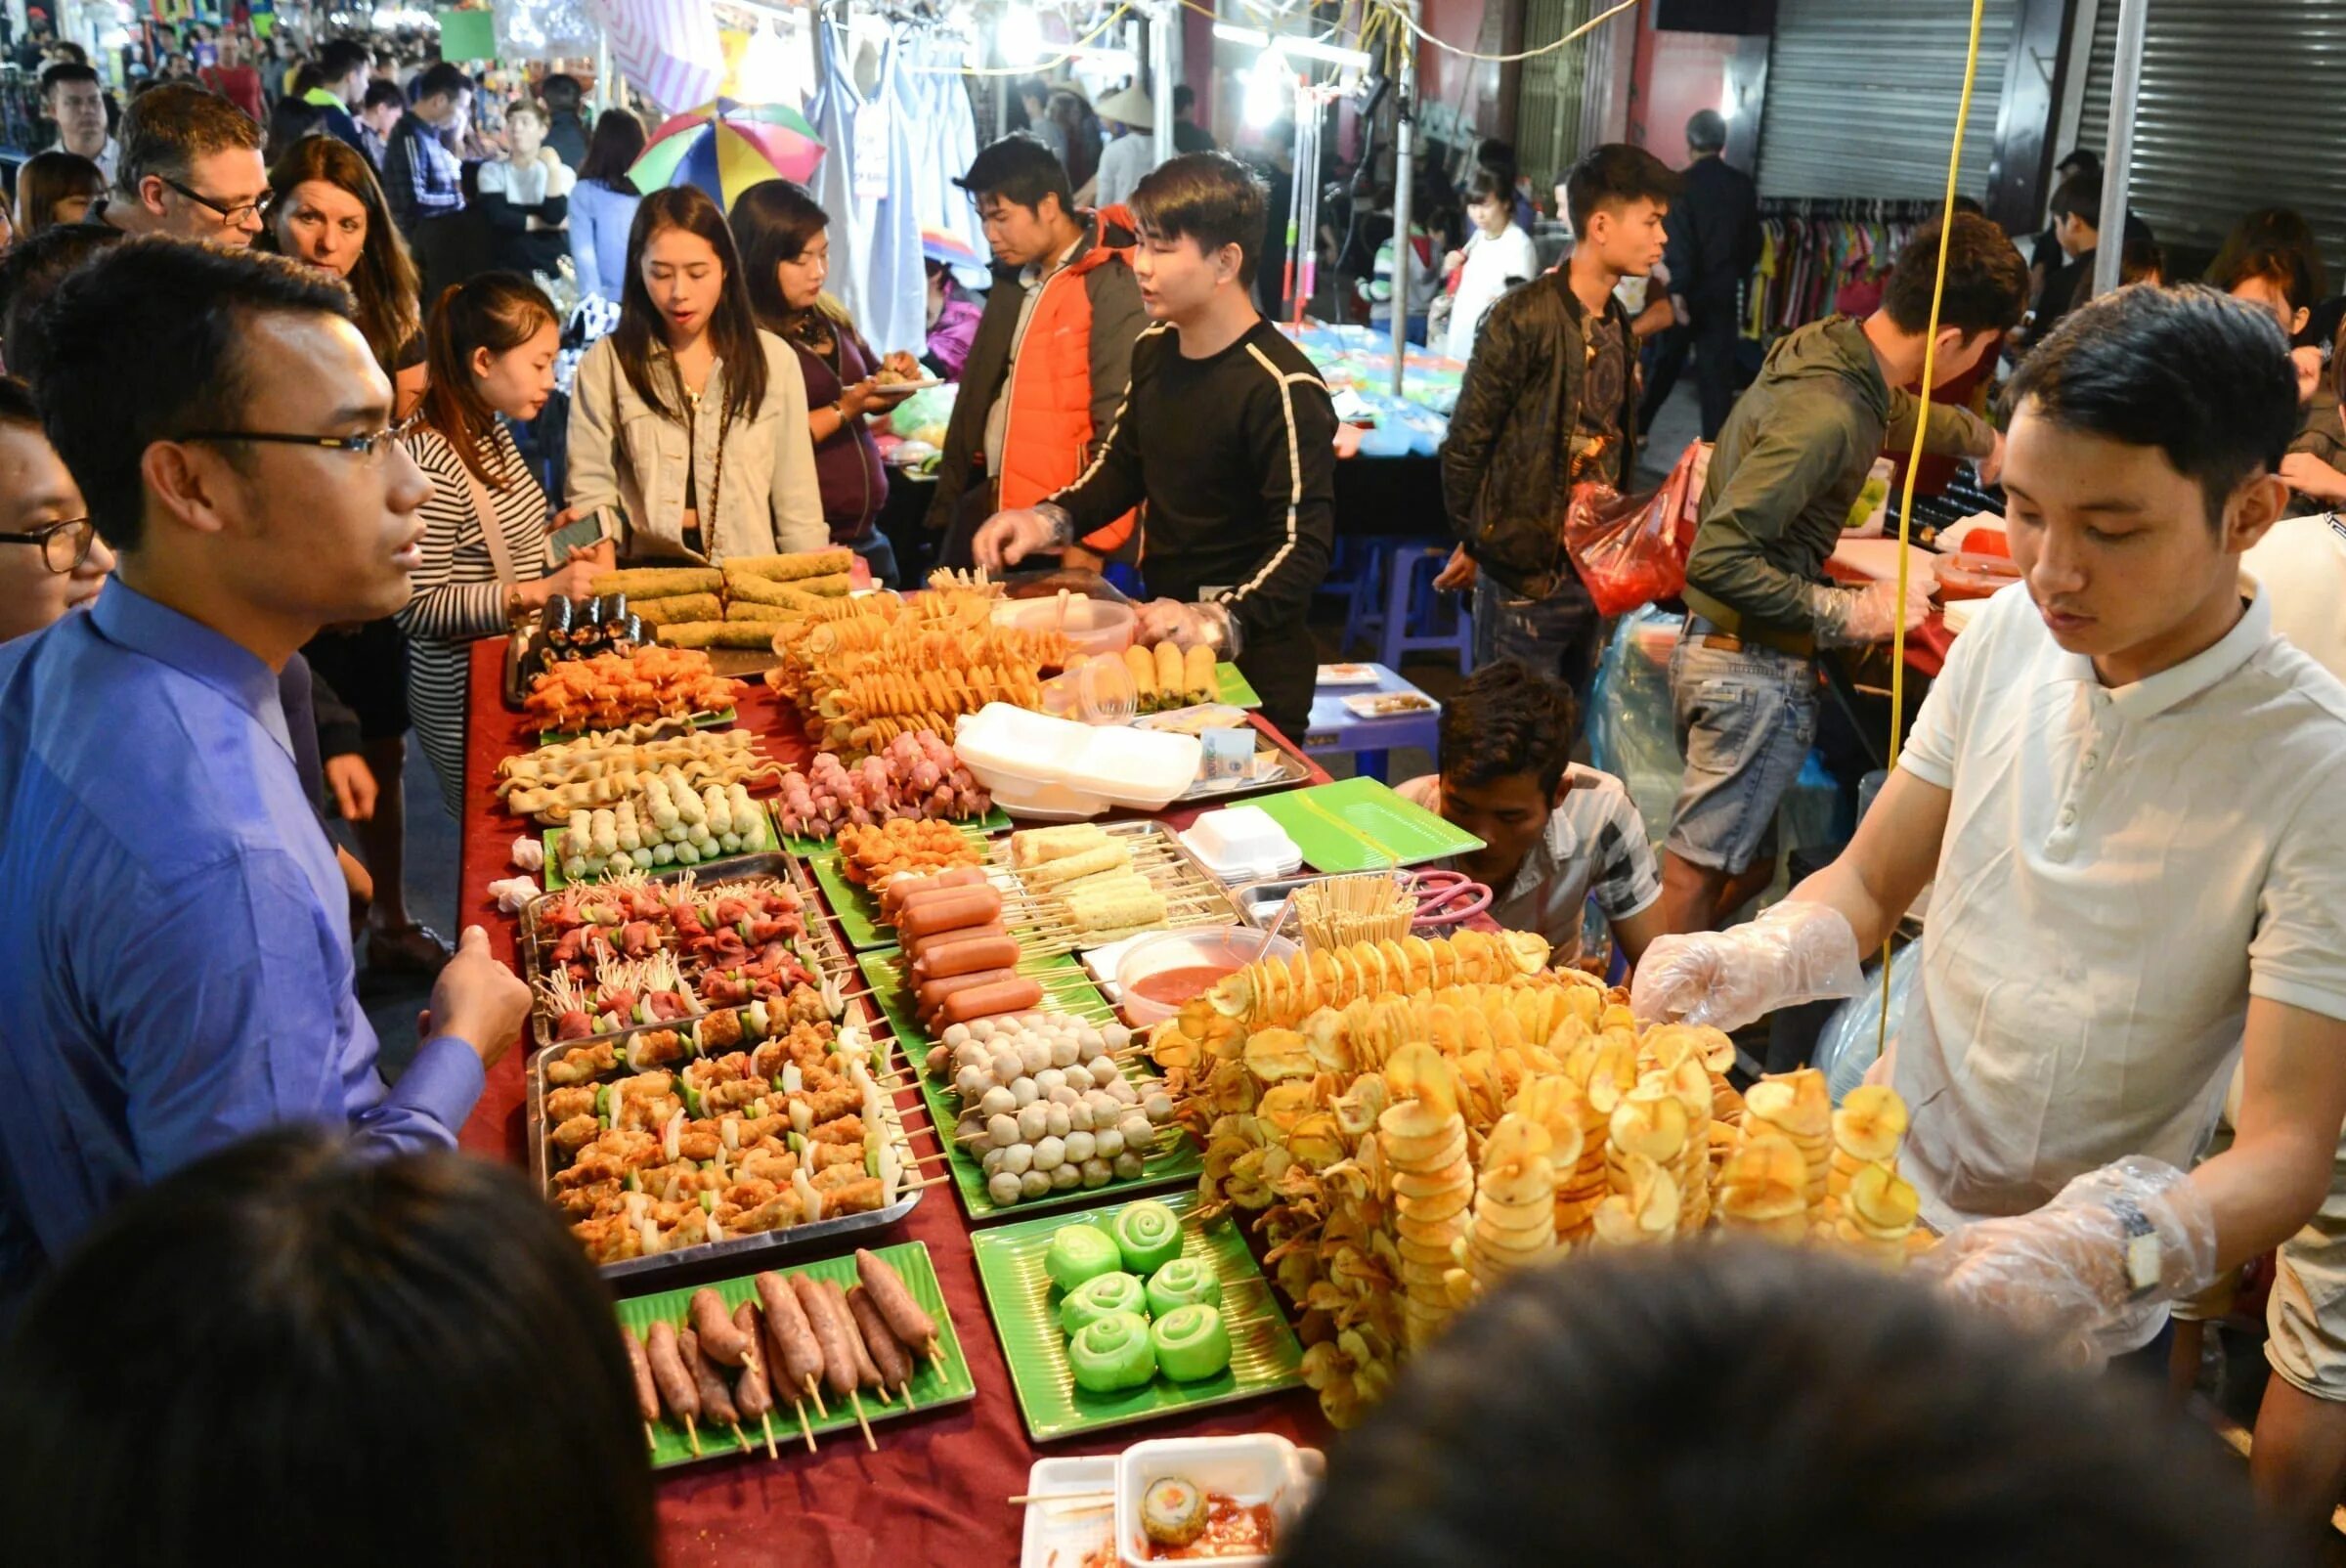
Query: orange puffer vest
(1046, 431)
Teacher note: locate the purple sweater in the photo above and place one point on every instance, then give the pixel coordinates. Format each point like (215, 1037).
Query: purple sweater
(847, 466)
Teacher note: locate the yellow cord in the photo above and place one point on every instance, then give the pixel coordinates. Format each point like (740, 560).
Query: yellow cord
(1914, 459)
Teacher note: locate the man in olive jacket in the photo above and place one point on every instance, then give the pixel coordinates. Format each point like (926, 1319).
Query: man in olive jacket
(1788, 466)
(1550, 401)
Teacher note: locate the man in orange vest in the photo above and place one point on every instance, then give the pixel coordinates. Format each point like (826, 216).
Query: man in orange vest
(1052, 352)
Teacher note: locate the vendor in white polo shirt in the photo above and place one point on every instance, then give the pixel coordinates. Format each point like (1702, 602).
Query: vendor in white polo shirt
(2124, 793)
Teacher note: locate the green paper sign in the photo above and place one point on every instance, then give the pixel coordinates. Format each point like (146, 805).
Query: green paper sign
(467, 35)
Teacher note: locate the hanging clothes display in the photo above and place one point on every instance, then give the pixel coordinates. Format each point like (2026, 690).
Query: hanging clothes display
(865, 187)
(1811, 250)
(936, 105)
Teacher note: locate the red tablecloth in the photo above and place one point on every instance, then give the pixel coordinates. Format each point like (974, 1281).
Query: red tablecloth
(934, 1494)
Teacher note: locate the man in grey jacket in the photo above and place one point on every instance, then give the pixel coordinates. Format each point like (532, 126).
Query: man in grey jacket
(1791, 462)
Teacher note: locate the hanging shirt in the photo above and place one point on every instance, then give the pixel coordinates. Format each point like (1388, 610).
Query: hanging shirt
(175, 968)
(2123, 868)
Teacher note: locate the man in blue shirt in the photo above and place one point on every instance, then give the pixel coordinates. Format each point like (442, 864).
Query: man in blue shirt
(175, 968)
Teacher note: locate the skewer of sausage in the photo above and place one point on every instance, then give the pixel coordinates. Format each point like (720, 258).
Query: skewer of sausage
(677, 1390)
(905, 1319)
(836, 1334)
(647, 1393)
(796, 1349)
(752, 1394)
(713, 1321)
(716, 1400)
(867, 1374)
(893, 1362)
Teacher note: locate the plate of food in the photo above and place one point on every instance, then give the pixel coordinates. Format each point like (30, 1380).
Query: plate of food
(1131, 1312)
(1389, 704)
(1348, 675)
(1078, 1529)
(754, 1364)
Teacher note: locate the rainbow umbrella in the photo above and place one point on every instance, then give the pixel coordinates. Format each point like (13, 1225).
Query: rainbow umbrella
(725, 147)
(944, 245)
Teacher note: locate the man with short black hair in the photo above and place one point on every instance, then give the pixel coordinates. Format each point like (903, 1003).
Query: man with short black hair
(72, 96)
(566, 130)
(345, 68)
(2122, 793)
(422, 180)
(378, 116)
(29, 275)
(1188, 135)
(1550, 401)
(1714, 245)
(230, 432)
(1226, 432)
(191, 169)
(1787, 468)
(1024, 424)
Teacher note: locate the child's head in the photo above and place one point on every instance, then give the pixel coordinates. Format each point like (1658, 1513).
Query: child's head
(2275, 280)
(1506, 737)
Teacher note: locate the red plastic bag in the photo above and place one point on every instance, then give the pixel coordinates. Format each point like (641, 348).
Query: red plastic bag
(1632, 549)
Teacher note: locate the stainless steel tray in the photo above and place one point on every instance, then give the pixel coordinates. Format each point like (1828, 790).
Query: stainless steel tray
(831, 959)
(1258, 902)
(1157, 853)
(762, 1244)
(1284, 770)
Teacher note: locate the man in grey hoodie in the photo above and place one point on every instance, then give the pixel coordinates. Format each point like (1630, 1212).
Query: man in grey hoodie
(1791, 460)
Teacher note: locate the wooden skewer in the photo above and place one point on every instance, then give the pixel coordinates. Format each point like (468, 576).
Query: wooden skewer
(936, 1355)
(1081, 1501)
(767, 1419)
(649, 1441)
(938, 1180)
(815, 1393)
(804, 1430)
(905, 1389)
(692, 1436)
(868, 1439)
(741, 1437)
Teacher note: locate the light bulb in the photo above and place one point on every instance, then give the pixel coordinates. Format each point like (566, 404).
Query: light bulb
(1018, 35)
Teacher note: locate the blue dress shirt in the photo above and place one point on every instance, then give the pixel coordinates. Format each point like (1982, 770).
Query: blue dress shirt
(175, 962)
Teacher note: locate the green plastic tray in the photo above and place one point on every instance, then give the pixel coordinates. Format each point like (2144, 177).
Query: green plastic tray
(1264, 1353)
(995, 820)
(1067, 989)
(1374, 827)
(1234, 688)
(555, 881)
(932, 1385)
(858, 911)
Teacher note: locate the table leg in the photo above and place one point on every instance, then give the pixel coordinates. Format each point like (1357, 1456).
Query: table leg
(1369, 764)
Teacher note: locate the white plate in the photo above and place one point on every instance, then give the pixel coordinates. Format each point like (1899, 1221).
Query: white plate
(1062, 1537)
(1366, 705)
(1348, 675)
(890, 389)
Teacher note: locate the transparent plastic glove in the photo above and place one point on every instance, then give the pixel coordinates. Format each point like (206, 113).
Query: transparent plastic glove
(1852, 616)
(1794, 952)
(2075, 1271)
(1190, 625)
(1009, 537)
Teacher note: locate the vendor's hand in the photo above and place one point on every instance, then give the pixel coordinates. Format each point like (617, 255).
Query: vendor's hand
(1854, 617)
(574, 579)
(1794, 952)
(477, 999)
(1188, 626)
(1991, 468)
(2065, 1271)
(352, 784)
(1008, 537)
(1457, 572)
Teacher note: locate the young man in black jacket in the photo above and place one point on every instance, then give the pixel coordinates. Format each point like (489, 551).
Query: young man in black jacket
(1226, 432)
(1551, 401)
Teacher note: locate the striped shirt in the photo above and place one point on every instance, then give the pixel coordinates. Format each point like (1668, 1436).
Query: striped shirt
(457, 594)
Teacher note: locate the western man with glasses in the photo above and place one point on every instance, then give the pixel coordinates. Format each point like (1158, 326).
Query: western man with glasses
(191, 169)
(175, 968)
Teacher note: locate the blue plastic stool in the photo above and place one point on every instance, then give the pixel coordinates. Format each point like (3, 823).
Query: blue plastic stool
(1365, 592)
(1410, 577)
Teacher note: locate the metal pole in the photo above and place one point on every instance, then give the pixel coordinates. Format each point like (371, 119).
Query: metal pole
(2118, 161)
(1162, 23)
(1405, 175)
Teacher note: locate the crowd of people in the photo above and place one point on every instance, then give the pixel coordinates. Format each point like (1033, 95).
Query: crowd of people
(271, 461)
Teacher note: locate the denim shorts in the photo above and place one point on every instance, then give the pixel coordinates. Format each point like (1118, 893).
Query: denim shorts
(1745, 720)
(1555, 636)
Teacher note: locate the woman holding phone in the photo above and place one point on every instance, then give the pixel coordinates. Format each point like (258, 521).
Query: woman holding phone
(492, 346)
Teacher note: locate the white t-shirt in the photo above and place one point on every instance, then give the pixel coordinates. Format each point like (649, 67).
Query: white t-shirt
(2122, 870)
(2302, 564)
(1126, 161)
(526, 185)
(1494, 261)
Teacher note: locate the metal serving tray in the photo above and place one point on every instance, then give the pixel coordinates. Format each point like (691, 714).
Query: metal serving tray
(1157, 853)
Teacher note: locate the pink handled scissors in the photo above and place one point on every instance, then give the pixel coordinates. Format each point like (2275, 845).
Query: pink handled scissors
(1445, 897)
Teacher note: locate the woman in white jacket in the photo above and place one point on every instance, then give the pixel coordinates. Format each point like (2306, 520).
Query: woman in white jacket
(687, 420)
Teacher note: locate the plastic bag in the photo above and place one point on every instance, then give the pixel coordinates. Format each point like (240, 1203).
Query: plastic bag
(1632, 549)
(1850, 1042)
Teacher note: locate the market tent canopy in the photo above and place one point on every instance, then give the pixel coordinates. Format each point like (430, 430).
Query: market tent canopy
(723, 148)
(668, 50)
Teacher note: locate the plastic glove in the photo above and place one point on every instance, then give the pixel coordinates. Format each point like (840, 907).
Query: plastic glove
(1794, 952)
(1009, 537)
(1190, 625)
(2073, 1270)
(1851, 617)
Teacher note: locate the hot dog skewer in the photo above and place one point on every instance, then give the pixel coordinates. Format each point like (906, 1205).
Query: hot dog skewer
(720, 1340)
(751, 1392)
(797, 1351)
(647, 1394)
(836, 1334)
(903, 1315)
(716, 1400)
(677, 1390)
(890, 1356)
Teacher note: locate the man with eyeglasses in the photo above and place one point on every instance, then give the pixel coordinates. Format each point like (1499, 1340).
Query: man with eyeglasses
(175, 964)
(191, 169)
(52, 562)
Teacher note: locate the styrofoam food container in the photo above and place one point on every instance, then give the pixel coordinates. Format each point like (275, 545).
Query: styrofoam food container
(1092, 626)
(1049, 802)
(1144, 769)
(1228, 946)
(1238, 833)
(1253, 1468)
(1007, 748)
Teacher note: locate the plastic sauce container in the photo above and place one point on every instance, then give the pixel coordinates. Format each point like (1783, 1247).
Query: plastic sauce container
(1092, 626)
(1098, 691)
(1159, 974)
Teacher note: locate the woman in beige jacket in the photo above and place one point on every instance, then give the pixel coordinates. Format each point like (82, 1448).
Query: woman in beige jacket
(688, 421)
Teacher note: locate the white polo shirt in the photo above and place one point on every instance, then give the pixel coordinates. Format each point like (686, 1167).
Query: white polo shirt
(2122, 870)
(2302, 563)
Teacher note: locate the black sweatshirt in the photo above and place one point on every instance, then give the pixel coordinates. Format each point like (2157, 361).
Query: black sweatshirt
(1235, 454)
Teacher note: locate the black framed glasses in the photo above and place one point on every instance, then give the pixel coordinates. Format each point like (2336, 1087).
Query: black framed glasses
(370, 446)
(64, 545)
(235, 217)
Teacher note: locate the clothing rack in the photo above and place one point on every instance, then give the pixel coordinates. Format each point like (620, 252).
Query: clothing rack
(1813, 246)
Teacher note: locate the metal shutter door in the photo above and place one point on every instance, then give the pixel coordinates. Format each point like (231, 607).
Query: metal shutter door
(2244, 105)
(1862, 97)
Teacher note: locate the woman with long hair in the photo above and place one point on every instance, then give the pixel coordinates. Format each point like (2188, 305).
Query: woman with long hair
(326, 209)
(603, 202)
(688, 420)
(785, 257)
(1072, 113)
(54, 188)
(493, 343)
